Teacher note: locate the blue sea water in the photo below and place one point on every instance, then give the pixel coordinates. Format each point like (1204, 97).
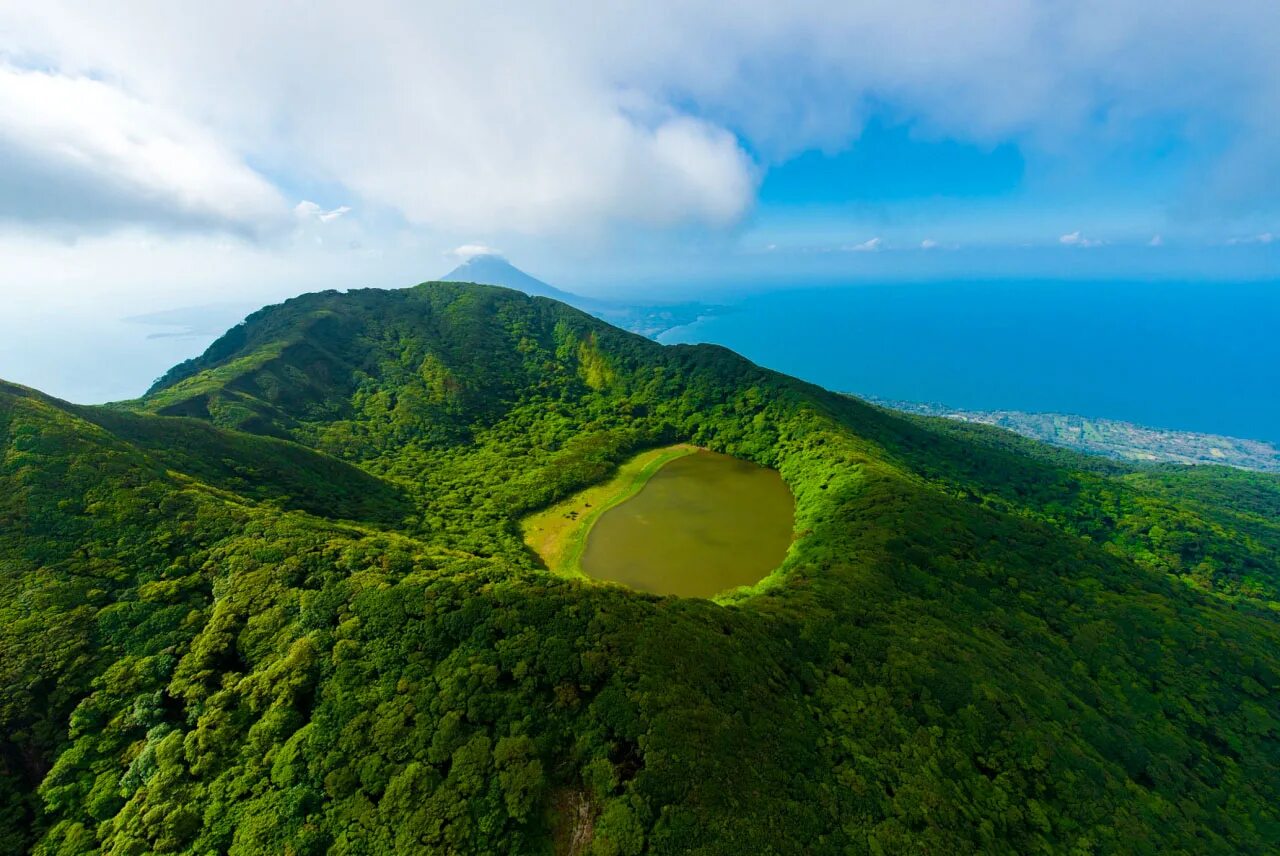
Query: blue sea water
(1192, 356)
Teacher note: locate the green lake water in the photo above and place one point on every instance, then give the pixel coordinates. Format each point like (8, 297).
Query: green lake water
(703, 524)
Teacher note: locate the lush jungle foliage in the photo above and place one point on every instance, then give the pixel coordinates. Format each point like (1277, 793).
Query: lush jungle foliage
(281, 605)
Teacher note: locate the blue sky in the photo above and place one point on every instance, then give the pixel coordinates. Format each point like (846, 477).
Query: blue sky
(889, 163)
(155, 157)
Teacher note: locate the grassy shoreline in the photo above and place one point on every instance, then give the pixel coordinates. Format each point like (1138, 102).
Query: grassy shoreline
(559, 533)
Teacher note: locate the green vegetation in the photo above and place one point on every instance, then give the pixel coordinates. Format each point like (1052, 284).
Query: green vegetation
(282, 604)
(558, 534)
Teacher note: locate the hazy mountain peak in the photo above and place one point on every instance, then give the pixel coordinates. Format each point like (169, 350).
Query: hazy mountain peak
(494, 269)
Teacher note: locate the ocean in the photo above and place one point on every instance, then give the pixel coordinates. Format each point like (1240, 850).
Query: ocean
(1189, 356)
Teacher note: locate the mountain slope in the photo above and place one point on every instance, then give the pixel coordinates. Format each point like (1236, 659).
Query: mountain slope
(976, 644)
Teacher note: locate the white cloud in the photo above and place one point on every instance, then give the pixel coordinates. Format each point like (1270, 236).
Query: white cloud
(1075, 239)
(81, 151)
(306, 210)
(330, 228)
(1263, 238)
(334, 213)
(928, 244)
(453, 118)
(870, 245)
(1156, 241)
(467, 252)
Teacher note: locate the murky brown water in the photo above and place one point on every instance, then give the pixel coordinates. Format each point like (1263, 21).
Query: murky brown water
(703, 524)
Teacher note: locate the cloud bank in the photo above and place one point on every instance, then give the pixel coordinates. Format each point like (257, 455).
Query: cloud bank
(79, 152)
(563, 118)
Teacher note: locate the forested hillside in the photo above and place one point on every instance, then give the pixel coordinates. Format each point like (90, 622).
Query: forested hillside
(281, 604)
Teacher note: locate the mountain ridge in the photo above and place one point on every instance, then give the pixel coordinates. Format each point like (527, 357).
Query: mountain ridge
(977, 643)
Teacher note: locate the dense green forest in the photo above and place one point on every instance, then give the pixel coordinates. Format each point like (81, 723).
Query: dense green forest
(281, 604)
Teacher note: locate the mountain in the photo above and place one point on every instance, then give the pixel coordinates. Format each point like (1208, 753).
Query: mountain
(281, 604)
(1113, 438)
(492, 269)
(650, 320)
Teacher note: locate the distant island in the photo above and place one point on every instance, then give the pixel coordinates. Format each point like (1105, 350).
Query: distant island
(650, 320)
(1112, 438)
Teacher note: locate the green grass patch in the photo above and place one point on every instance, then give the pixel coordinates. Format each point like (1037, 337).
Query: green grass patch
(559, 533)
